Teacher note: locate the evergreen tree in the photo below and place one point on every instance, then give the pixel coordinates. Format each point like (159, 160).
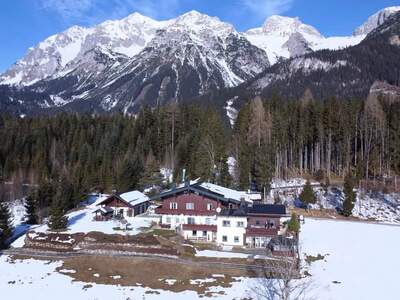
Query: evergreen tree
(293, 224)
(57, 219)
(5, 224)
(30, 210)
(225, 179)
(262, 173)
(151, 175)
(349, 195)
(307, 195)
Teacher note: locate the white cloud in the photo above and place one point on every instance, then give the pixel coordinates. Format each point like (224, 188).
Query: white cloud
(94, 11)
(266, 8)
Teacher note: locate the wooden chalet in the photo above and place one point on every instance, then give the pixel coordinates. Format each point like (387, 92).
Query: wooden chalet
(126, 205)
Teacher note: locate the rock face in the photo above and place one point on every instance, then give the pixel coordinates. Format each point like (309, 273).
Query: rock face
(297, 45)
(376, 20)
(388, 92)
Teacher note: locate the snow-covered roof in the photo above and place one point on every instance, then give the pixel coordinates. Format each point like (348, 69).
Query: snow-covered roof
(104, 210)
(230, 193)
(100, 199)
(134, 197)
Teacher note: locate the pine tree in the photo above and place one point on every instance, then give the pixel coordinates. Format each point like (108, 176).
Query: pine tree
(225, 178)
(262, 173)
(293, 224)
(307, 195)
(151, 176)
(57, 220)
(30, 210)
(5, 224)
(349, 195)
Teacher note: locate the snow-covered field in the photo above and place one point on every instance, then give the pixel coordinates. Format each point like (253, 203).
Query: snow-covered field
(361, 258)
(38, 280)
(82, 221)
(360, 263)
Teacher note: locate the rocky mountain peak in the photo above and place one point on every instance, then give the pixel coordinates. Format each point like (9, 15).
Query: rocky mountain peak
(376, 20)
(286, 26)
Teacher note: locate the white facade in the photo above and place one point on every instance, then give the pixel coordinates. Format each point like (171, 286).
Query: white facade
(175, 221)
(231, 230)
(200, 235)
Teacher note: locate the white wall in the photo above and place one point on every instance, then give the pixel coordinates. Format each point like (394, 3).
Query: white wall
(177, 220)
(232, 231)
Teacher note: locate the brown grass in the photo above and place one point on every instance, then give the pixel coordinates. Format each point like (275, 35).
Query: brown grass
(150, 273)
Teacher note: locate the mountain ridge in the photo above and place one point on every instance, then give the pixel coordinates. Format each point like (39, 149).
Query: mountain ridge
(179, 59)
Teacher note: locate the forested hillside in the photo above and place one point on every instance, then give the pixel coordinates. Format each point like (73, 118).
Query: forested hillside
(271, 138)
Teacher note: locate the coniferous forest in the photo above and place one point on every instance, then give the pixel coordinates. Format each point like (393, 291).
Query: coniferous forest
(71, 155)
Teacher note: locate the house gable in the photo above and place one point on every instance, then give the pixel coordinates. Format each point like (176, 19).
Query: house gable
(115, 201)
(189, 203)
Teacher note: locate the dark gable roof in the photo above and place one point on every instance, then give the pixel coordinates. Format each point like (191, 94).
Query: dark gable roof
(267, 209)
(195, 188)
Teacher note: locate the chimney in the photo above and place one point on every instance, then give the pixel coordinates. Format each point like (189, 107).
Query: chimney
(183, 175)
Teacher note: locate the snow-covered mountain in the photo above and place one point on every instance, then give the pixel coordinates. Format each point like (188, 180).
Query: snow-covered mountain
(285, 37)
(126, 37)
(375, 20)
(122, 65)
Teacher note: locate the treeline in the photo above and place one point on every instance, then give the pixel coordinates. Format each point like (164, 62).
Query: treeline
(271, 138)
(106, 153)
(325, 139)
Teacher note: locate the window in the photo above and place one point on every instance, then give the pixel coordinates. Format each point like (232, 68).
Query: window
(204, 233)
(190, 220)
(209, 206)
(236, 239)
(173, 205)
(194, 233)
(190, 206)
(224, 238)
(168, 220)
(176, 220)
(226, 223)
(240, 224)
(258, 222)
(208, 221)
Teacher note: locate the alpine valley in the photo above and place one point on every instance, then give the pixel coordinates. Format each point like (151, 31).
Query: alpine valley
(123, 65)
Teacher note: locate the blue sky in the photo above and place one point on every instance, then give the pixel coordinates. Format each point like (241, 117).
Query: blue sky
(24, 23)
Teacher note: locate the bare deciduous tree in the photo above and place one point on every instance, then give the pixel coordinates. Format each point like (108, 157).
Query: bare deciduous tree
(281, 280)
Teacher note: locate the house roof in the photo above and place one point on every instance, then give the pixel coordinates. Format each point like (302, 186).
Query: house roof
(131, 198)
(230, 193)
(209, 190)
(267, 209)
(134, 197)
(255, 209)
(104, 210)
